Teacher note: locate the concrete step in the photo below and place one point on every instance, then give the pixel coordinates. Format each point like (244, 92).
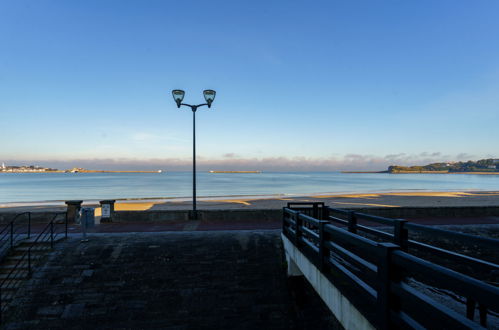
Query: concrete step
(46, 241)
(7, 297)
(36, 247)
(12, 285)
(7, 268)
(16, 257)
(5, 304)
(21, 274)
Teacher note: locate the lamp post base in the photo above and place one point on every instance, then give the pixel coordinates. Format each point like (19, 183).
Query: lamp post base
(193, 215)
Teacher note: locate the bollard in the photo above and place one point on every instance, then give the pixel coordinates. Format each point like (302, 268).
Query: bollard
(87, 220)
(73, 208)
(107, 207)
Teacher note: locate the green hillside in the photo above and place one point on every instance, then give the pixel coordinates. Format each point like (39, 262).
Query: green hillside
(482, 165)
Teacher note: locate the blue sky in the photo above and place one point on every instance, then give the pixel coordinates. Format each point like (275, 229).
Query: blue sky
(312, 85)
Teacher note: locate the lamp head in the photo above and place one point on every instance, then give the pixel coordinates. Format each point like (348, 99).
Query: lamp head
(178, 96)
(209, 96)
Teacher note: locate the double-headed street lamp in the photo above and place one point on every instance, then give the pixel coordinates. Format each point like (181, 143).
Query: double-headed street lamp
(178, 96)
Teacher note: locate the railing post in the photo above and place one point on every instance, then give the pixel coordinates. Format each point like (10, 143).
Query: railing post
(11, 234)
(325, 213)
(400, 234)
(315, 211)
(29, 225)
(322, 248)
(352, 222)
(66, 225)
(29, 261)
(482, 311)
(51, 234)
(386, 274)
(470, 308)
(299, 223)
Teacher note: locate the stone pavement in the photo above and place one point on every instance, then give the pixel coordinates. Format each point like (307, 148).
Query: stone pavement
(188, 280)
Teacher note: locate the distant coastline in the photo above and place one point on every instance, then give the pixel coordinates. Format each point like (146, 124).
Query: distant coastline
(442, 172)
(364, 172)
(39, 169)
(422, 172)
(482, 166)
(235, 171)
(104, 171)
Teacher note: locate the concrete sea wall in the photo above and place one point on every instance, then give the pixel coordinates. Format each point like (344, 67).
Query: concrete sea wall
(269, 215)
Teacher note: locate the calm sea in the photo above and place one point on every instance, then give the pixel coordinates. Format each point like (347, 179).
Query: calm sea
(28, 187)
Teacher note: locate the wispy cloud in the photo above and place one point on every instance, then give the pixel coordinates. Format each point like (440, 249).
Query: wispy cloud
(143, 137)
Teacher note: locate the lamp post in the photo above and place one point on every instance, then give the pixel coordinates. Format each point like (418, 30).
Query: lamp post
(178, 96)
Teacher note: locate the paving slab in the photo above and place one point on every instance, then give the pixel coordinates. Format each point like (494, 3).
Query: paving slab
(188, 280)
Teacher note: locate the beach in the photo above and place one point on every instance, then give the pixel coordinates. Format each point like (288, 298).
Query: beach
(363, 200)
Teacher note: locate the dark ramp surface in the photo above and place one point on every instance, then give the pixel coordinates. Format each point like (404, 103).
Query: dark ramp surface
(196, 280)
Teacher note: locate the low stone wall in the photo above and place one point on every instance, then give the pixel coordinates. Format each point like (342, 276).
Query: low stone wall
(276, 214)
(271, 215)
(205, 215)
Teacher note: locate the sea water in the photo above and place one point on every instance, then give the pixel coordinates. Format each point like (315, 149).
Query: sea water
(30, 187)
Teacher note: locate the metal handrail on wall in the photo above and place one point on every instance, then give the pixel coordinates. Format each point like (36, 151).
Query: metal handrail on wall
(9, 234)
(382, 274)
(27, 262)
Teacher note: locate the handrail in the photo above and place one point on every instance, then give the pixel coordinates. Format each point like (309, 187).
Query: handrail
(401, 229)
(360, 266)
(476, 240)
(48, 234)
(9, 233)
(468, 286)
(13, 220)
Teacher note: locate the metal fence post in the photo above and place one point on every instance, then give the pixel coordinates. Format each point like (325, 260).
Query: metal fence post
(29, 261)
(66, 224)
(386, 274)
(51, 234)
(352, 222)
(400, 234)
(11, 234)
(29, 225)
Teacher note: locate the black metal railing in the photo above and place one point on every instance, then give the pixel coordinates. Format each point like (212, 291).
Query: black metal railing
(17, 229)
(29, 259)
(382, 274)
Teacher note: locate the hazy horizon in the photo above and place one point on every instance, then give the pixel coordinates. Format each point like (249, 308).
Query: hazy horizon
(233, 162)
